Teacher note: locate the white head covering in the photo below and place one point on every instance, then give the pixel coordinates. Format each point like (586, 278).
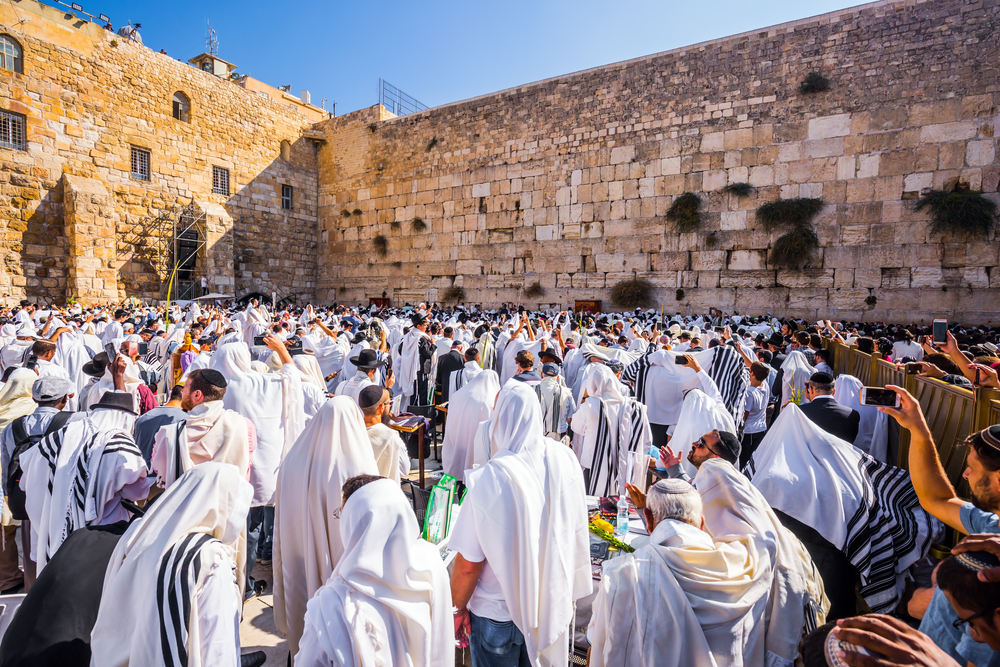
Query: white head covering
(309, 367)
(388, 601)
(332, 448)
(209, 499)
(232, 360)
(795, 371)
(699, 414)
(602, 383)
(15, 397)
(467, 407)
(873, 430)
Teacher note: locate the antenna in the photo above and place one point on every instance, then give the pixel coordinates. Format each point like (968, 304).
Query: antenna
(211, 41)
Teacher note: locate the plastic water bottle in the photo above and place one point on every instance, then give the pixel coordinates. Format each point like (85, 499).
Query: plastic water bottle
(621, 524)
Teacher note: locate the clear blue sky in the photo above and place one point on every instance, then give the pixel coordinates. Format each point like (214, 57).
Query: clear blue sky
(437, 51)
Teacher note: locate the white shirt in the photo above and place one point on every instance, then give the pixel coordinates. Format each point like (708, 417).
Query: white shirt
(111, 332)
(487, 600)
(219, 618)
(906, 348)
(756, 405)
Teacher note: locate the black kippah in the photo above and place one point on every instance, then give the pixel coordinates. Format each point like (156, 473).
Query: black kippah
(213, 377)
(731, 443)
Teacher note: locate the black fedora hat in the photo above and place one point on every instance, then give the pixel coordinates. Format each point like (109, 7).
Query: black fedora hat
(95, 367)
(367, 359)
(776, 339)
(116, 400)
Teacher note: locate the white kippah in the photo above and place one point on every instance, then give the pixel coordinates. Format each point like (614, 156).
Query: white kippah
(673, 486)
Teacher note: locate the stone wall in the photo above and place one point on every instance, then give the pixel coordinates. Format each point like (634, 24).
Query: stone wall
(88, 97)
(567, 181)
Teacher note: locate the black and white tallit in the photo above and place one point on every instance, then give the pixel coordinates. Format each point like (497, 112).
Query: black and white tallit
(622, 432)
(866, 508)
(732, 377)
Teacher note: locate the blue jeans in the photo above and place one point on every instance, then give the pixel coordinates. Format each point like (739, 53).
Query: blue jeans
(496, 644)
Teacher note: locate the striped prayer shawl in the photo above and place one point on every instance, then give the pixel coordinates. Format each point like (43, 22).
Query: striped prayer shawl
(636, 373)
(888, 532)
(176, 585)
(732, 377)
(610, 461)
(86, 479)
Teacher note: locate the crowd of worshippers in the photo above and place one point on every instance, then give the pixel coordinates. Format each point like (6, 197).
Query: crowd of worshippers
(152, 455)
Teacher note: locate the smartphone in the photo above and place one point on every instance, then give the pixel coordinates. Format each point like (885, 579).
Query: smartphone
(296, 349)
(109, 349)
(912, 368)
(680, 361)
(719, 329)
(940, 331)
(143, 348)
(879, 396)
(259, 341)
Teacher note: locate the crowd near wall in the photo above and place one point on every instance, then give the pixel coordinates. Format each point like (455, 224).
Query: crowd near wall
(69, 195)
(566, 182)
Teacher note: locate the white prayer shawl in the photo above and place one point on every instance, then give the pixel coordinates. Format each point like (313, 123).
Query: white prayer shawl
(273, 402)
(107, 383)
(76, 477)
(15, 398)
(15, 353)
(487, 351)
(795, 371)
(616, 435)
(333, 447)
(193, 528)
(8, 334)
(353, 387)
(869, 510)
(388, 601)
(467, 407)
(733, 507)
(873, 431)
(409, 362)
(71, 355)
(572, 363)
(202, 360)
(557, 405)
(311, 372)
(682, 600)
(699, 415)
(349, 369)
(529, 502)
(461, 377)
(388, 449)
(210, 433)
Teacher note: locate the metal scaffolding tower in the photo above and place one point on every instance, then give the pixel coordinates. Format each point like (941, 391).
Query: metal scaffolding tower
(172, 243)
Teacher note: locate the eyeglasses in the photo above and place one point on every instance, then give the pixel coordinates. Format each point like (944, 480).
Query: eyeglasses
(701, 443)
(959, 622)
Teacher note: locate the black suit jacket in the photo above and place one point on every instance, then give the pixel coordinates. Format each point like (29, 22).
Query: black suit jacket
(832, 417)
(452, 361)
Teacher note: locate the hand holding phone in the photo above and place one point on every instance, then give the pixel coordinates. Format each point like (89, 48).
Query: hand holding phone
(880, 397)
(940, 331)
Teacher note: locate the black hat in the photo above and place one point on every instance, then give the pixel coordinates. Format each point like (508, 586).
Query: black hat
(214, 377)
(776, 339)
(370, 396)
(821, 378)
(116, 400)
(550, 355)
(367, 360)
(95, 367)
(417, 319)
(731, 444)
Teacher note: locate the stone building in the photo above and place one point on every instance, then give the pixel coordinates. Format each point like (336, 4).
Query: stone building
(565, 182)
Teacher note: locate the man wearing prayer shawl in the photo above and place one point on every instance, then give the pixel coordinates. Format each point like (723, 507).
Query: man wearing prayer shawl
(274, 403)
(170, 596)
(79, 475)
(464, 375)
(468, 407)
(524, 505)
(416, 354)
(615, 433)
(557, 402)
(332, 448)
(388, 601)
(684, 598)
(389, 449)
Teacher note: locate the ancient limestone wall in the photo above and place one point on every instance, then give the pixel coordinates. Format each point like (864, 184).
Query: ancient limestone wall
(566, 181)
(88, 97)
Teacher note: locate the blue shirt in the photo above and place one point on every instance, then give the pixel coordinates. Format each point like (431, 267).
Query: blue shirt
(937, 621)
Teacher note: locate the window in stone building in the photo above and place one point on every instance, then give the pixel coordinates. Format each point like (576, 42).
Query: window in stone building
(286, 197)
(11, 55)
(12, 130)
(182, 107)
(140, 164)
(220, 180)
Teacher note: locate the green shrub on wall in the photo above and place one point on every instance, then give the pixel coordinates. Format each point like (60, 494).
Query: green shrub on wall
(534, 290)
(794, 249)
(961, 211)
(454, 293)
(632, 293)
(381, 244)
(685, 212)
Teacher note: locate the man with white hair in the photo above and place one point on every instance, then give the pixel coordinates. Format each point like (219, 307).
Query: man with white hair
(681, 584)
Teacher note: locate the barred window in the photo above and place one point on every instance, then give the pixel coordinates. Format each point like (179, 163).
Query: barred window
(140, 164)
(12, 130)
(11, 55)
(220, 180)
(286, 197)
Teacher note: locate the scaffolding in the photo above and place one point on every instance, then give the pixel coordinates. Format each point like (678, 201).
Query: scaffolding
(170, 242)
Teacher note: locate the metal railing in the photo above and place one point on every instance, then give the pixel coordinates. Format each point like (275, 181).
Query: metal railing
(396, 101)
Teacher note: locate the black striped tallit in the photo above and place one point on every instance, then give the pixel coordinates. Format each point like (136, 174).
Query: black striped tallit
(176, 584)
(636, 374)
(732, 377)
(884, 535)
(605, 463)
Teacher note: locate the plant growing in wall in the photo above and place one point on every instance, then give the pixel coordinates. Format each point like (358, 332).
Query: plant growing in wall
(431, 144)
(711, 241)
(397, 265)
(419, 225)
(793, 249)
(454, 293)
(381, 244)
(345, 213)
(814, 83)
(356, 211)
(679, 294)
(394, 225)
(960, 210)
(871, 300)
(534, 290)
(632, 293)
(685, 212)
(739, 189)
